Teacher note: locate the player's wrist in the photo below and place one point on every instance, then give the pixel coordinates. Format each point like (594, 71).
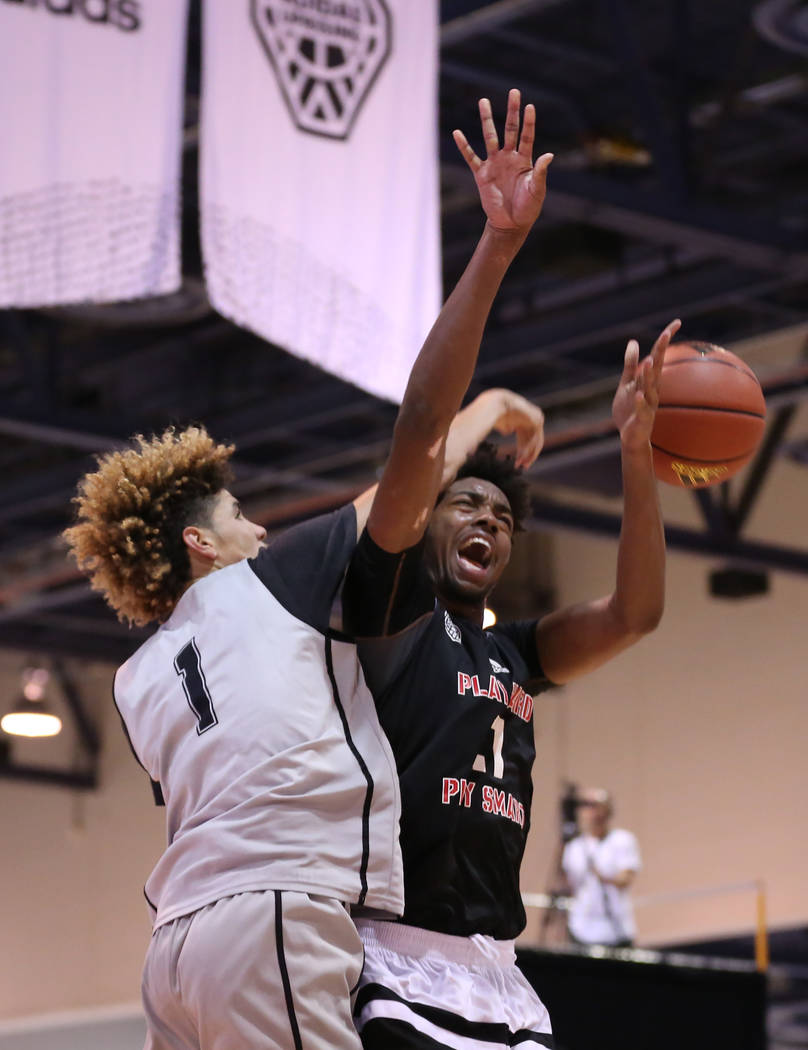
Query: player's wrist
(636, 449)
(505, 240)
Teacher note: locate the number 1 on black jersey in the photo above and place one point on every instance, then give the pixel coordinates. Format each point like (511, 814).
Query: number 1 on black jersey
(480, 762)
(188, 665)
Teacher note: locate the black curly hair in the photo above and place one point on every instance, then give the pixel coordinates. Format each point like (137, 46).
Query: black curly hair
(486, 463)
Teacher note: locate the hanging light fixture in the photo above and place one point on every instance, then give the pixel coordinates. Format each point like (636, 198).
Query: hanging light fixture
(31, 716)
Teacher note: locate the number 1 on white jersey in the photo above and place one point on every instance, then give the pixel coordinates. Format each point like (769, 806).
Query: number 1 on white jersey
(188, 665)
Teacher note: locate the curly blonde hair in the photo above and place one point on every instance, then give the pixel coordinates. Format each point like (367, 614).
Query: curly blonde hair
(131, 513)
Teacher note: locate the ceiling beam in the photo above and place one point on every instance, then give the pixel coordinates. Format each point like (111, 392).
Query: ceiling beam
(48, 434)
(514, 348)
(642, 96)
(29, 606)
(635, 211)
(486, 79)
(759, 470)
(52, 777)
(651, 216)
(693, 541)
(490, 16)
(30, 637)
(555, 50)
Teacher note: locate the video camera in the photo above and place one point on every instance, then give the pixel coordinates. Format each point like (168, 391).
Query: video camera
(569, 804)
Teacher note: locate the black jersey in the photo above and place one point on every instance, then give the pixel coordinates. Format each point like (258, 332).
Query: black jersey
(452, 699)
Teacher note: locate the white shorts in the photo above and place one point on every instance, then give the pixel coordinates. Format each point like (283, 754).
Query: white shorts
(421, 990)
(268, 971)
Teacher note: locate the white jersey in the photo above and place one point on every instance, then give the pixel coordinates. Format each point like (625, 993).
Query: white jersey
(254, 718)
(601, 913)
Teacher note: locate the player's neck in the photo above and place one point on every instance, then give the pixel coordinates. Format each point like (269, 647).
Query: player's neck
(200, 568)
(471, 611)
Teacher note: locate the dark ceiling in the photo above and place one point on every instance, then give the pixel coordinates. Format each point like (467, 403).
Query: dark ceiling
(679, 188)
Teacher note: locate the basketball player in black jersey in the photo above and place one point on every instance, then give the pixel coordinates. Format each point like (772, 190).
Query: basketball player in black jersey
(456, 703)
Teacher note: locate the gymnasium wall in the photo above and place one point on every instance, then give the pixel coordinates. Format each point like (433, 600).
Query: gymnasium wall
(699, 731)
(73, 920)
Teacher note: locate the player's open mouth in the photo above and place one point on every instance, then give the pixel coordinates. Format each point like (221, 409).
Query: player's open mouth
(475, 554)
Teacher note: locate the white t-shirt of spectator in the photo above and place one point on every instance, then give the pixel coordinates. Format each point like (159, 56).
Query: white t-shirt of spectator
(601, 913)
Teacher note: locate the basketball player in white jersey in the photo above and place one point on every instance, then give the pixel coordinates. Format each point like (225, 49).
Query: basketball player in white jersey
(456, 703)
(248, 709)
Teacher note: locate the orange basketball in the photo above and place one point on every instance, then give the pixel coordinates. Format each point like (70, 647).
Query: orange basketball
(710, 418)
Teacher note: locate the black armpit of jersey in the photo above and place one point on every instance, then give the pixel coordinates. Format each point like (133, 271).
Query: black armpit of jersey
(304, 566)
(383, 592)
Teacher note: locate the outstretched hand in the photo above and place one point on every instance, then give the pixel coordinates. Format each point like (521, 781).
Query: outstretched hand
(635, 403)
(525, 421)
(496, 409)
(511, 186)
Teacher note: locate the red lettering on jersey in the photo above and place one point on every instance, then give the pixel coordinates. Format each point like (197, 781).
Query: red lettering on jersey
(466, 788)
(500, 691)
(495, 801)
(461, 790)
(521, 703)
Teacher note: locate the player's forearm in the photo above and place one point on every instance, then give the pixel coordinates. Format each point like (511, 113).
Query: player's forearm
(469, 427)
(639, 597)
(445, 365)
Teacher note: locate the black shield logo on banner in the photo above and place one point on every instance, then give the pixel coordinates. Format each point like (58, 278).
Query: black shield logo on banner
(326, 55)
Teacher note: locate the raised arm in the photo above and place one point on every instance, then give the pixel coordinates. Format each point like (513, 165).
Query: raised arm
(578, 639)
(512, 192)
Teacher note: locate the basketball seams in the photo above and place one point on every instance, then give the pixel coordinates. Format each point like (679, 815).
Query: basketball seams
(711, 408)
(701, 360)
(704, 462)
(706, 434)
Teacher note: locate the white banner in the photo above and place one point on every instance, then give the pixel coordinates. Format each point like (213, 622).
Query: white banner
(91, 95)
(319, 178)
